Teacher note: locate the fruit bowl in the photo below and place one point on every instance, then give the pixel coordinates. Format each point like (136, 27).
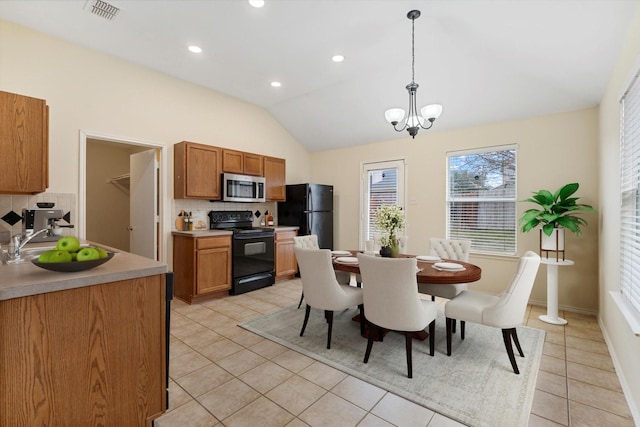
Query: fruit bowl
(68, 267)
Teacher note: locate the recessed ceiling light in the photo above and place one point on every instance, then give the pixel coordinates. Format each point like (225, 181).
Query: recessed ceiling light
(337, 58)
(276, 84)
(195, 49)
(256, 3)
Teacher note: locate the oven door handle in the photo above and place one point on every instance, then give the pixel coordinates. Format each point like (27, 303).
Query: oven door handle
(252, 236)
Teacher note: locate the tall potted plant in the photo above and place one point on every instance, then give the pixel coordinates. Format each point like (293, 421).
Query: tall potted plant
(557, 212)
(390, 219)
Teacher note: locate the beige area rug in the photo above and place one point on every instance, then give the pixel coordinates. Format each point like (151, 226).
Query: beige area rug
(475, 386)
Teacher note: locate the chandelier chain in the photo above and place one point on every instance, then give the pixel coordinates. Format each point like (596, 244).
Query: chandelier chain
(413, 53)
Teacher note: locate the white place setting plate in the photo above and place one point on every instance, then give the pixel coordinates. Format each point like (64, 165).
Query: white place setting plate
(428, 258)
(347, 259)
(448, 266)
(340, 253)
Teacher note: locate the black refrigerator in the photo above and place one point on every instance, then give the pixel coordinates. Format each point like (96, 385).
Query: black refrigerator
(310, 207)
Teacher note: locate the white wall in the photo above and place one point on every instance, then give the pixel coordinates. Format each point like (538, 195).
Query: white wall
(624, 345)
(87, 90)
(552, 150)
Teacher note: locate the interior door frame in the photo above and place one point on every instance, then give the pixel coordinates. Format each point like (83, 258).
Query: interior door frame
(162, 187)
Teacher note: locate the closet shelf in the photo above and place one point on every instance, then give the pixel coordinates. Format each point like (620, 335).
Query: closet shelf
(122, 180)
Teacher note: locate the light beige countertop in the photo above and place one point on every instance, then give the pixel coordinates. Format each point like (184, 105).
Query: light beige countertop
(286, 228)
(25, 279)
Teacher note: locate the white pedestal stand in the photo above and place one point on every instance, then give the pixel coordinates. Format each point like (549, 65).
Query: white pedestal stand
(552, 290)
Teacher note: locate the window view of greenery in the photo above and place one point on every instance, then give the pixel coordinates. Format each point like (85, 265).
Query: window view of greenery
(481, 199)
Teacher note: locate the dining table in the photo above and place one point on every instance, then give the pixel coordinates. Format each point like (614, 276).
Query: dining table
(427, 273)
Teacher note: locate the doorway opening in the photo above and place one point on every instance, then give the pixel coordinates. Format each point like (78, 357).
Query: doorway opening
(121, 181)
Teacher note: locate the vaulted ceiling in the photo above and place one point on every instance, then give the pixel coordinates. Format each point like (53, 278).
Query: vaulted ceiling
(485, 61)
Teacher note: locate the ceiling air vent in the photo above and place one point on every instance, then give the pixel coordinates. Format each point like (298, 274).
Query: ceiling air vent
(104, 10)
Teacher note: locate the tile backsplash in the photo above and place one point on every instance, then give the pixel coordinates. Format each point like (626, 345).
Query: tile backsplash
(11, 210)
(200, 208)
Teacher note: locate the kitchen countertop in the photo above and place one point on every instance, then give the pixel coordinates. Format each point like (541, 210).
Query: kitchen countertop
(25, 279)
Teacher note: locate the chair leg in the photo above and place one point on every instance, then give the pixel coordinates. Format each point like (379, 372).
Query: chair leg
(329, 315)
(301, 298)
(369, 342)
(362, 318)
(506, 337)
(453, 327)
(407, 340)
(433, 297)
(514, 336)
(462, 329)
(449, 336)
(306, 318)
(432, 338)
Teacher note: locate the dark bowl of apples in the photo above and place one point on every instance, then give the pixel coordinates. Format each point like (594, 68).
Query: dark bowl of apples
(72, 266)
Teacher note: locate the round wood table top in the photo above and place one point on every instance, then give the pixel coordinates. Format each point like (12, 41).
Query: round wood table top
(428, 273)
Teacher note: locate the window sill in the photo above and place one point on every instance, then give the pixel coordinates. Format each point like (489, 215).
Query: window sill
(630, 314)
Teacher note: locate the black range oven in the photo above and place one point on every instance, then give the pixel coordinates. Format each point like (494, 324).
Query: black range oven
(253, 250)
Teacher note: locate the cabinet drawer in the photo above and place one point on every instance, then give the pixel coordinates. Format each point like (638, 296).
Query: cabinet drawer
(213, 242)
(285, 235)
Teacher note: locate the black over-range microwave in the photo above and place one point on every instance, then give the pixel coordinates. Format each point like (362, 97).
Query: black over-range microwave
(242, 188)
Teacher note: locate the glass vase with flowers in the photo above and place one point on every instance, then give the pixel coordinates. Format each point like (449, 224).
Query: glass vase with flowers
(389, 219)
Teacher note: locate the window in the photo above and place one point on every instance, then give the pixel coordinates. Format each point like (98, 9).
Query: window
(481, 199)
(630, 194)
(383, 184)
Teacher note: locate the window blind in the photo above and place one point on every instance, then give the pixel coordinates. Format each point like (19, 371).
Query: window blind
(481, 199)
(630, 194)
(383, 190)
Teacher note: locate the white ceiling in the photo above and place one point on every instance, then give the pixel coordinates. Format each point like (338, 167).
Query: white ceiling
(485, 61)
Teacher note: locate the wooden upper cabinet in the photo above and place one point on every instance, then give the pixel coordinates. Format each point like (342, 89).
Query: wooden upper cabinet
(196, 171)
(234, 161)
(24, 144)
(275, 177)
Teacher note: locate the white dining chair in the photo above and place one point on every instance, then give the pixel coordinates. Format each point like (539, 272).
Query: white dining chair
(451, 249)
(310, 241)
(322, 290)
(504, 311)
(392, 302)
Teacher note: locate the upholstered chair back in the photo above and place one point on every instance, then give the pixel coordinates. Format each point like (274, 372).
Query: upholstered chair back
(391, 293)
(306, 242)
(509, 310)
(450, 249)
(319, 285)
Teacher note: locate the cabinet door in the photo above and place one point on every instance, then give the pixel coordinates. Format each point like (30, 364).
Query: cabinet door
(214, 272)
(232, 161)
(197, 171)
(24, 144)
(253, 164)
(274, 173)
(286, 265)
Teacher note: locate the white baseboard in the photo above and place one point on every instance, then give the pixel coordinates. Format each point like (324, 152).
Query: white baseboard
(566, 308)
(635, 412)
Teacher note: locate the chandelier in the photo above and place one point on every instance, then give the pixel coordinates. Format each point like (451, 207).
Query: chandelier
(428, 114)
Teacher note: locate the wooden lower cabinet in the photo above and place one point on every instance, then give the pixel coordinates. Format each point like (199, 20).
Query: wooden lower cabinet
(286, 264)
(91, 356)
(201, 267)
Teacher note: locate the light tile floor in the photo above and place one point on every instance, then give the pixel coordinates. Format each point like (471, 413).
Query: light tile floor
(223, 375)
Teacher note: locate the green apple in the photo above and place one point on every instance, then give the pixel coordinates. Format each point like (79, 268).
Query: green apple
(55, 256)
(44, 257)
(68, 243)
(102, 252)
(88, 254)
